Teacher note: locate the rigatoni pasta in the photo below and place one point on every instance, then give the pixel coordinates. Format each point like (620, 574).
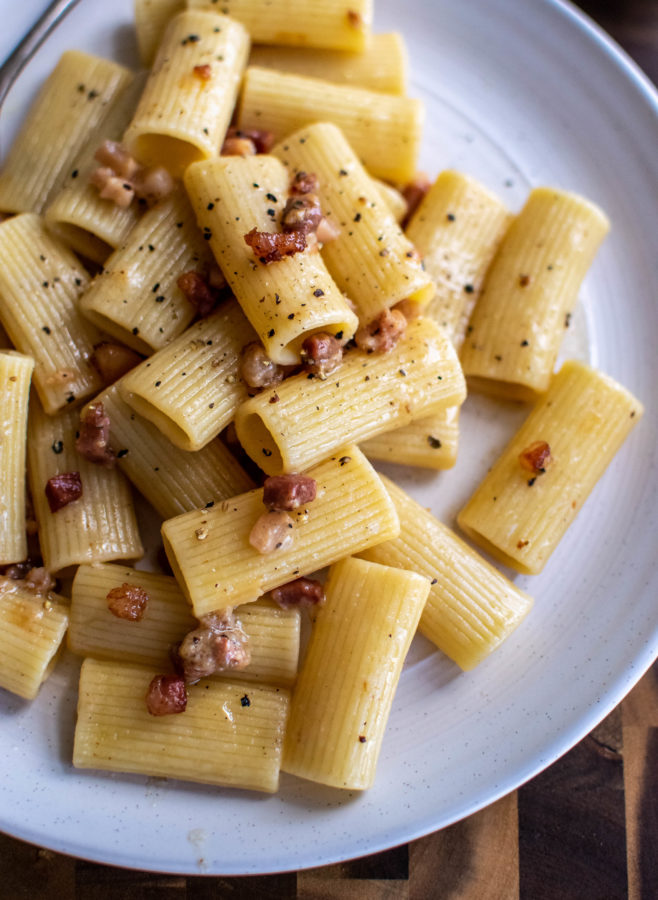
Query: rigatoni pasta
(370, 259)
(381, 67)
(188, 100)
(530, 291)
(191, 389)
(136, 297)
(534, 491)
(368, 394)
(151, 20)
(287, 300)
(383, 130)
(15, 377)
(89, 224)
(222, 738)
(40, 282)
(340, 24)
(173, 481)
(33, 627)
(457, 229)
(345, 689)
(217, 567)
(70, 105)
(471, 608)
(430, 442)
(98, 526)
(272, 633)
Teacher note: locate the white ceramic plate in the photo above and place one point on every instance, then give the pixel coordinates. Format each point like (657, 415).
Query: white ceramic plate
(518, 93)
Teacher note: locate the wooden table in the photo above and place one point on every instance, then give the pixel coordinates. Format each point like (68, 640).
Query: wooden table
(585, 829)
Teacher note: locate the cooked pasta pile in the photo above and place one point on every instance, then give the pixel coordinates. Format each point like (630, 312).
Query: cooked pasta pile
(225, 286)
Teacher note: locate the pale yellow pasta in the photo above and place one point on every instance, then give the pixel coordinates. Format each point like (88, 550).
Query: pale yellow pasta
(366, 395)
(136, 298)
(70, 105)
(230, 734)
(151, 20)
(393, 199)
(191, 389)
(97, 527)
(32, 627)
(344, 692)
(286, 300)
(519, 515)
(188, 100)
(370, 259)
(273, 633)
(384, 131)
(341, 24)
(40, 282)
(173, 481)
(457, 229)
(529, 293)
(471, 608)
(90, 225)
(352, 511)
(430, 442)
(381, 67)
(15, 376)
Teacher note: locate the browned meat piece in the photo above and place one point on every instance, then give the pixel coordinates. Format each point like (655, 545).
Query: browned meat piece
(63, 489)
(536, 457)
(305, 183)
(128, 602)
(198, 292)
(166, 695)
(218, 644)
(112, 187)
(302, 592)
(257, 370)
(272, 246)
(112, 361)
(93, 441)
(288, 491)
(114, 155)
(413, 193)
(272, 531)
(383, 333)
(302, 214)
(322, 354)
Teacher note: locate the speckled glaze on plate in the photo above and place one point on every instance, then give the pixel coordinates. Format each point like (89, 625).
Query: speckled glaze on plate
(518, 93)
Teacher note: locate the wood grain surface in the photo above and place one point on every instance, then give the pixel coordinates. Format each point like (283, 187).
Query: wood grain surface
(585, 829)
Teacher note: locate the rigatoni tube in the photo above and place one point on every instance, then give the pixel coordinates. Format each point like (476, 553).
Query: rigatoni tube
(15, 376)
(300, 421)
(471, 607)
(430, 442)
(40, 282)
(229, 734)
(370, 260)
(286, 300)
(529, 293)
(457, 229)
(217, 567)
(273, 633)
(33, 627)
(173, 481)
(136, 297)
(384, 131)
(70, 106)
(346, 685)
(341, 24)
(535, 489)
(381, 67)
(97, 527)
(191, 389)
(188, 100)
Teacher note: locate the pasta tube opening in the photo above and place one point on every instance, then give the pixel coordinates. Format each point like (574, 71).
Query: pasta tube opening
(261, 437)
